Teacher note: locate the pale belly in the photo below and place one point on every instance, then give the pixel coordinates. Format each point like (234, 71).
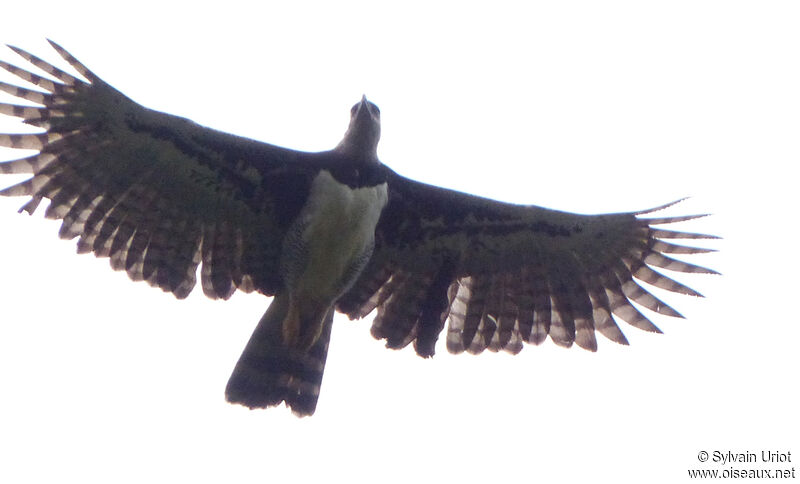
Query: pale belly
(332, 240)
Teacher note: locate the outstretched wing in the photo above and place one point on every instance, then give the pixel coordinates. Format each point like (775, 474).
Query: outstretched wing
(155, 193)
(505, 274)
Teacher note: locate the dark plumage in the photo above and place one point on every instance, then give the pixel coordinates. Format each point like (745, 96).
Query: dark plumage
(335, 230)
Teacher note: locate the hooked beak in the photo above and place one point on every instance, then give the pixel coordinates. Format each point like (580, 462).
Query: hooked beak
(363, 108)
(364, 131)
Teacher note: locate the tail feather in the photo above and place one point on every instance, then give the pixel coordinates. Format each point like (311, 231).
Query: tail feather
(270, 372)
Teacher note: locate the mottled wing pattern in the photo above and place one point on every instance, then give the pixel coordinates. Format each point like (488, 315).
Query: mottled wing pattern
(157, 194)
(502, 275)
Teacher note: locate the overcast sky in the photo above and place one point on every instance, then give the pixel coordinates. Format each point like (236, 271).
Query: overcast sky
(591, 107)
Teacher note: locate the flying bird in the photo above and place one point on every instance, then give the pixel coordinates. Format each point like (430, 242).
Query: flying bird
(322, 232)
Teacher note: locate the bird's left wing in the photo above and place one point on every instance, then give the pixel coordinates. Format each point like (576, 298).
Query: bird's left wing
(156, 193)
(505, 274)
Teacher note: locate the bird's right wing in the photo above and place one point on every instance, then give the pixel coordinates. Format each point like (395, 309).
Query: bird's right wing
(501, 274)
(156, 193)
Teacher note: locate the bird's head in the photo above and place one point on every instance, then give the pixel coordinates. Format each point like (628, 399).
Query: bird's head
(361, 139)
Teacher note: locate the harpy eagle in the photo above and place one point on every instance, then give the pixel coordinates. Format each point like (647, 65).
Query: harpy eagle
(335, 230)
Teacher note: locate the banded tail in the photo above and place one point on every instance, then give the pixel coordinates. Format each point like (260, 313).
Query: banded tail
(270, 371)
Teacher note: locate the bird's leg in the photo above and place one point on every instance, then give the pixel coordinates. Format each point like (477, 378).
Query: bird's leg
(311, 327)
(291, 324)
(303, 325)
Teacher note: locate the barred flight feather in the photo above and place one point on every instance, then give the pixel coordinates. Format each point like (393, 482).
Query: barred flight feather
(75, 220)
(222, 263)
(40, 81)
(672, 234)
(562, 324)
(242, 280)
(132, 209)
(542, 310)
(396, 307)
(28, 113)
(483, 333)
(525, 306)
(620, 306)
(647, 222)
(664, 262)
(30, 164)
(60, 204)
(493, 311)
(135, 262)
(37, 97)
(665, 247)
(83, 70)
(459, 295)
(434, 311)
(505, 308)
(639, 295)
(601, 313)
(474, 311)
(54, 71)
(376, 290)
(157, 265)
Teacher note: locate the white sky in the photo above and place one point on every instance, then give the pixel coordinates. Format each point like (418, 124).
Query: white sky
(582, 106)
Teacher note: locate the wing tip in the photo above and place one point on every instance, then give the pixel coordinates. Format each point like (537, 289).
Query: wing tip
(55, 45)
(661, 207)
(71, 60)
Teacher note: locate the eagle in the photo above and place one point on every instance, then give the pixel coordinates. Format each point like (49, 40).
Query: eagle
(320, 232)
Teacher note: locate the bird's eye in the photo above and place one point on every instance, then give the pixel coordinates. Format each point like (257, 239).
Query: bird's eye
(353, 110)
(375, 110)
